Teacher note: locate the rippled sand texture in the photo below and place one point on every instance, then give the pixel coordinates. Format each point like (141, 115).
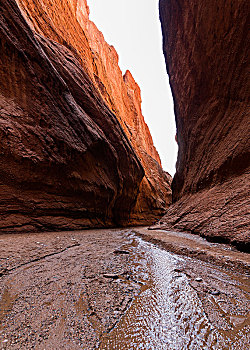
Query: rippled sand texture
(170, 313)
(109, 289)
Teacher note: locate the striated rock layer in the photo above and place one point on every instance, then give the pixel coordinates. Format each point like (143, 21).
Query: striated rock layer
(206, 50)
(75, 151)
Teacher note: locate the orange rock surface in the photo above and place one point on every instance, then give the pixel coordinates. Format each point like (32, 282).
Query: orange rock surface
(206, 45)
(78, 150)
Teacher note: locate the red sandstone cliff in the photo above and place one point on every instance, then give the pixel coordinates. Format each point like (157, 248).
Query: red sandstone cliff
(206, 50)
(75, 151)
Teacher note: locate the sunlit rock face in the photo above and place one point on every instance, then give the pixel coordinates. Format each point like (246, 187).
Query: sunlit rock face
(75, 150)
(206, 50)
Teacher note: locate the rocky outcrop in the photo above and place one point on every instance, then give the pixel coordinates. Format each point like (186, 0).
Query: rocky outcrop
(75, 151)
(206, 50)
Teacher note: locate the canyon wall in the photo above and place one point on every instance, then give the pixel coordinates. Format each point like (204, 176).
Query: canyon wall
(75, 150)
(206, 49)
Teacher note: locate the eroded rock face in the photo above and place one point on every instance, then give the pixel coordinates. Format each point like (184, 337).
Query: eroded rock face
(206, 50)
(67, 160)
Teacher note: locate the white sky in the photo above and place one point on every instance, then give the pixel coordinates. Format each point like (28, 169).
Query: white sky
(133, 28)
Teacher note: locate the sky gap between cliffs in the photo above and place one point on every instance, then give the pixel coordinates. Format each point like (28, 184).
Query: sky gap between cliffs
(133, 27)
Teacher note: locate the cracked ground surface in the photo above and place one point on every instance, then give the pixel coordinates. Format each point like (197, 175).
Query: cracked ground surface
(109, 289)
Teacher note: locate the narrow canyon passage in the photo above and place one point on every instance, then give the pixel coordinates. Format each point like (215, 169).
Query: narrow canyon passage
(77, 159)
(111, 289)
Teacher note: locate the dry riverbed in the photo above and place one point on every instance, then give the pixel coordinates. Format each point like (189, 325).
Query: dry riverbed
(122, 289)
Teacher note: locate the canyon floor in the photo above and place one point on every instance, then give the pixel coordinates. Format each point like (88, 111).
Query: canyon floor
(122, 289)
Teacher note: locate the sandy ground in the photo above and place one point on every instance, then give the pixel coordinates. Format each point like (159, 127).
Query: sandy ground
(84, 289)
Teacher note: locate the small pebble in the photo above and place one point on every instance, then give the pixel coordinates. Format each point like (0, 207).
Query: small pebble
(121, 252)
(198, 279)
(214, 292)
(107, 275)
